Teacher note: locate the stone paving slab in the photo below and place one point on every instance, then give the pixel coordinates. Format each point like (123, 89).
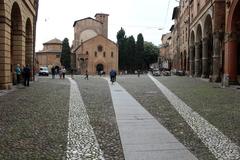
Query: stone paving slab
(142, 136)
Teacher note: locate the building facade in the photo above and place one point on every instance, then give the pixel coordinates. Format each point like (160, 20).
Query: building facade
(208, 44)
(166, 56)
(92, 50)
(50, 55)
(17, 31)
(207, 38)
(184, 26)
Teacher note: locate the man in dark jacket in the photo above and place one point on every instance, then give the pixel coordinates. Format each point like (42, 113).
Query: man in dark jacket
(27, 73)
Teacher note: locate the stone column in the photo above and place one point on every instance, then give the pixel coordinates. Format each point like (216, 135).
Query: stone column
(230, 66)
(191, 61)
(197, 59)
(5, 67)
(216, 56)
(205, 67)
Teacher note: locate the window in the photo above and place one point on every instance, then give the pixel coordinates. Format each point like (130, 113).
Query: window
(87, 53)
(111, 54)
(99, 48)
(104, 54)
(95, 54)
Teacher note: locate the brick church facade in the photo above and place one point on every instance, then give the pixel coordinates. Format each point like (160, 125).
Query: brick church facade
(91, 49)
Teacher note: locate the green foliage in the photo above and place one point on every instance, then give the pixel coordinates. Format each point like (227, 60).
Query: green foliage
(135, 55)
(122, 41)
(66, 54)
(140, 52)
(131, 54)
(151, 53)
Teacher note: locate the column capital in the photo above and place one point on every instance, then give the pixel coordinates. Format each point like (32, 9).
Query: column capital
(192, 46)
(218, 35)
(231, 36)
(205, 39)
(198, 44)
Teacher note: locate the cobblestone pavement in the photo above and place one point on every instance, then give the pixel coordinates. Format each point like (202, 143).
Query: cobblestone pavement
(34, 121)
(97, 99)
(220, 107)
(82, 143)
(220, 145)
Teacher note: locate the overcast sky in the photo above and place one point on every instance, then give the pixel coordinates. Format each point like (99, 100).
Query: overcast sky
(56, 18)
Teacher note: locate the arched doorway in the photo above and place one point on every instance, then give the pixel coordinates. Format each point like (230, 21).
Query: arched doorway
(198, 51)
(207, 48)
(99, 68)
(29, 44)
(16, 39)
(185, 61)
(192, 54)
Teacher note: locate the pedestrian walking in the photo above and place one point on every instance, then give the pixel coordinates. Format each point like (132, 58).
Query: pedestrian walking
(27, 73)
(113, 75)
(71, 71)
(60, 73)
(53, 72)
(138, 72)
(63, 72)
(86, 75)
(18, 73)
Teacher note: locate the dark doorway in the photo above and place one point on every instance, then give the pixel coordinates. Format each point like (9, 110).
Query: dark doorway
(99, 68)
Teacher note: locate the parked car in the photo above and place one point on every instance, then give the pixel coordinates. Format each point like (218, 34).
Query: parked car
(156, 72)
(166, 73)
(43, 71)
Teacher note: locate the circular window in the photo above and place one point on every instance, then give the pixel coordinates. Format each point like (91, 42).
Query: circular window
(99, 48)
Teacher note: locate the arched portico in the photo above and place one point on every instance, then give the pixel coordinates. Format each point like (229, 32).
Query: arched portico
(185, 61)
(198, 51)
(192, 54)
(17, 39)
(207, 44)
(232, 45)
(17, 28)
(29, 44)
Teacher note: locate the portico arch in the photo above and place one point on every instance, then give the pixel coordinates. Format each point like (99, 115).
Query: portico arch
(29, 44)
(17, 39)
(207, 44)
(185, 60)
(198, 51)
(192, 54)
(181, 59)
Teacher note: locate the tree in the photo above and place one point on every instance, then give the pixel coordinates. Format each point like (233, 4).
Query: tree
(151, 53)
(131, 54)
(121, 41)
(66, 54)
(140, 52)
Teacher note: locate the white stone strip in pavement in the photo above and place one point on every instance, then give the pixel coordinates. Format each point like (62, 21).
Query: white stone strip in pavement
(219, 144)
(142, 136)
(82, 143)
